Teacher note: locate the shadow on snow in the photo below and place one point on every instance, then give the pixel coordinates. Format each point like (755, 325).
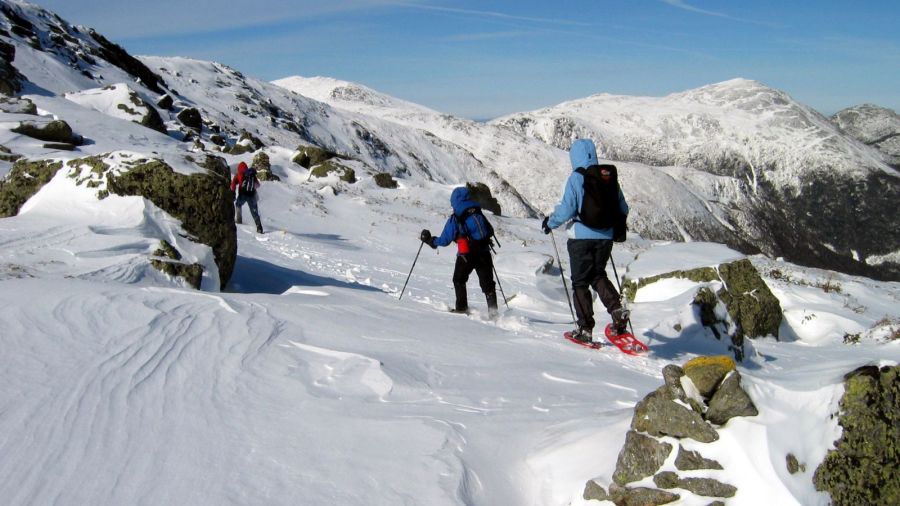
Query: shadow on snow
(252, 275)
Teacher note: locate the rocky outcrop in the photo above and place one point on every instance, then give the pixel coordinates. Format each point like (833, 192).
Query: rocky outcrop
(665, 413)
(743, 306)
(310, 156)
(51, 131)
(482, 194)
(862, 469)
(10, 79)
(344, 173)
(15, 105)
(263, 167)
(202, 202)
(385, 180)
(114, 54)
(191, 118)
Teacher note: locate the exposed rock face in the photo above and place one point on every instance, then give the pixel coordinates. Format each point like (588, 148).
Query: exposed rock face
(203, 203)
(10, 79)
(24, 180)
(622, 496)
(863, 468)
(114, 54)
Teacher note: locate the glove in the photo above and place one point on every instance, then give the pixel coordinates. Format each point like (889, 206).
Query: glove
(544, 226)
(425, 237)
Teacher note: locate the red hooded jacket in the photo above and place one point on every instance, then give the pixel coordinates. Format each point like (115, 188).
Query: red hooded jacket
(239, 177)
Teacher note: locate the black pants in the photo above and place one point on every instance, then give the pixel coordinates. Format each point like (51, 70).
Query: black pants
(588, 258)
(483, 265)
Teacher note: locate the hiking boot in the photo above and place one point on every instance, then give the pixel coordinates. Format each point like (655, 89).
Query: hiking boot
(620, 320)
(259, 229)
(583, 335)
(492, 304)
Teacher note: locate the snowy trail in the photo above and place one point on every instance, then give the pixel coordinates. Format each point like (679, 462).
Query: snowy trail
(309, 379)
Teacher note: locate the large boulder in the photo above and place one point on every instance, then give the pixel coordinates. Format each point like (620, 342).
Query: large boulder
(729, 401)
(263, 166)
(51, 131)
(344, 173)
(707, 372)
(202, 202)
(482, 194)
(310, 156)
(707, 487)
(863, 467)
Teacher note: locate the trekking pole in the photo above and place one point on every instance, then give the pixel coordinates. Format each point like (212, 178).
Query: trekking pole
(562, 275)
(499, 285)
(621, 295)
(411, 269)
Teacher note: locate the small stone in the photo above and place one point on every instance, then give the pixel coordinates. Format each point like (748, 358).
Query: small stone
(692, 461)
(641, 456)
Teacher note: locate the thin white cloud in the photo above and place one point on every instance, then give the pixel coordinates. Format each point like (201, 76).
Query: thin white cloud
(472, 37)
(491, 14)
(690, 8)
(681, 5)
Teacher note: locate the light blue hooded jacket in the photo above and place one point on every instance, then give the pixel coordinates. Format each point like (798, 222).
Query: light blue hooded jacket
(582, 154)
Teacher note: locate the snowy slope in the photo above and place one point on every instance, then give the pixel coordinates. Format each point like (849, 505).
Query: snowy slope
(307, 380)
(874, 126)
(668, 203)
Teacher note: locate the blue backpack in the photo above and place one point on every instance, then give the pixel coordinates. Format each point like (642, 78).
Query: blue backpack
(474, 226)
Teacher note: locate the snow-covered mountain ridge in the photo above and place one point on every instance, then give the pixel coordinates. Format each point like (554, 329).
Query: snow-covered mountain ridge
(797, 170)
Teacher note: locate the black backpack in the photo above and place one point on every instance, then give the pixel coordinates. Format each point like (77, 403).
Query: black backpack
(600, 206)
(248, 183)
(473, 225)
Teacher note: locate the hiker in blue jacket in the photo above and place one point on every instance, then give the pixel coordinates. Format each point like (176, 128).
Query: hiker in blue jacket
(590, 247)
(471, 231)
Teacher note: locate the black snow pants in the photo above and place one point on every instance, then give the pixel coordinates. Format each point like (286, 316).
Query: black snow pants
(483, 264)
(588, 258)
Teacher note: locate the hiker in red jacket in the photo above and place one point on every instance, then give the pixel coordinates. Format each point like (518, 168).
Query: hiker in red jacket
(245, 183)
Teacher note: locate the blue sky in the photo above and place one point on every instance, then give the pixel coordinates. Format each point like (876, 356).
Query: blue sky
(481, 59)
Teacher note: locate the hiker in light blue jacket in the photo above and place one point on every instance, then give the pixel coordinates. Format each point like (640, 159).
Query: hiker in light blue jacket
(590, 246)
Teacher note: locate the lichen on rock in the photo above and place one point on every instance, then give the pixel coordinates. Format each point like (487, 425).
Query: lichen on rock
(863, 467)
(203, 203)
(24, 179)
(343, 172)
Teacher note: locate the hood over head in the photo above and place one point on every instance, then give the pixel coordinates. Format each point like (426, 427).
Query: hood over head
(461, 200)
(583, 153)
(242, 166)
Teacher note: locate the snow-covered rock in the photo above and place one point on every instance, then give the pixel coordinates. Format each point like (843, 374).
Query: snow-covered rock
(874, 126)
